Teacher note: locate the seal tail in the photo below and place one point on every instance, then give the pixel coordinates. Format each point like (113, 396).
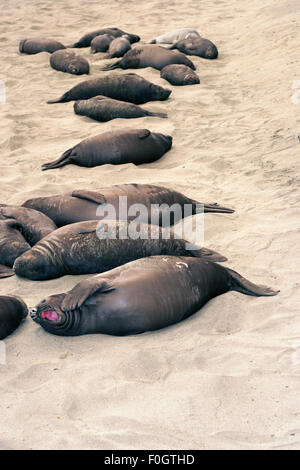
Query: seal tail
(62, 99)
(207, 254)
(61, 161)
(161, 115)
(240, 284)
(113, 66)
(215, 207)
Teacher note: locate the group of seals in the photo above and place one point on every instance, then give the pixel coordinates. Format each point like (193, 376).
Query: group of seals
(144, 295)
(136, 146)
(86, 40)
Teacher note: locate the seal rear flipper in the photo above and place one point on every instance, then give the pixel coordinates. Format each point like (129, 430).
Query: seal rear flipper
(6, 271)
(62, 99)
(114, 65)
(61, 161)
(76, 297)
(161, 115)
(21, 45)
(240, 284)
(208, 254)
(215, 207)
(93, 196)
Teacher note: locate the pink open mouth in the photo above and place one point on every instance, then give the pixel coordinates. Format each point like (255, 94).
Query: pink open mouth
(51, 315)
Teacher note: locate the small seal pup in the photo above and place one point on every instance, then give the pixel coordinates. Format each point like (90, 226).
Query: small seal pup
(36, 45)
(86, 40)
(149, 56)
(145, 295)
(175, 36)
(179, 75)
(68, 61)
(128, 87)
(103, 109)
(135, 146)
(83, 204)
(118, 47)
(12, 311)
(197, 46)
(94, 247)
(101, 43)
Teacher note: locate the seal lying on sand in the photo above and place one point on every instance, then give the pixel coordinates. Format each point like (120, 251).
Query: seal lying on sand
(149, 56)
(103, 109)
(12, 245)
(129, 87)
(197, 46)
(175, 36)
(12, 311)
(118, 47)
(144, 295)
(136, 146)
(34, 225)
(80, 205)
(36, 45)
(177, 74)
(69, 62)
(85, 41)
(101, 43)
(93, 247)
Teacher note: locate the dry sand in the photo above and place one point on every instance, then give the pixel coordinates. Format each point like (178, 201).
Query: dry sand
(228, 377)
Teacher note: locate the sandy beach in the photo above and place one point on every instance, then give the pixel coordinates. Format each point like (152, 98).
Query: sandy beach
(229, 376)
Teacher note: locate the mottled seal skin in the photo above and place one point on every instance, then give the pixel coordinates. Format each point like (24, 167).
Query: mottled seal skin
(175, 36)
(101, 43)
(105, 109)
(82, 204)
(136, 146)
(34, 225)
(145, 295)
(36, 45)
(12, 242)
(179, 75)
(81, 249)
(118, 47)
(69, 62)
(197, 46)
(129, 87)
(149, 56)
(86, 40)
(12, 311)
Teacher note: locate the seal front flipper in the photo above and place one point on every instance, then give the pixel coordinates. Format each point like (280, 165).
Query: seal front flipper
(208, 254)
(76, 297)
(143, 134)
(240, 284)
(61, 161)
(93, 196)
(6, 271)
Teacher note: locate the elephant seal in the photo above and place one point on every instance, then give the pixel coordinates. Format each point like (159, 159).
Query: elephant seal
(34, 225)
(68, 61)
(12, 311)
(149, 56)
(197, 46)
(175, 36)
(118, 47)
(36, 45)
(94, 247)
(145, 295)
(12, 244)
(105, 109)
(81, 205)
(178, 74)
(129, 87)
(135, 146)
(86, 40)
(101, 43)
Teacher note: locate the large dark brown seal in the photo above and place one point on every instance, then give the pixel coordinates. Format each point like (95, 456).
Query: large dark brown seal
(179, 75)
(197, 46)
(129, 87)
(144, 295)
(12, 311)
(149, 56)
(136, 146)
(103, 109)
(68, 61)
(33, 225)
(85, 41)
(12, 245)
(93, 247)
(101, 43)
(81, 205)
(36, 45)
